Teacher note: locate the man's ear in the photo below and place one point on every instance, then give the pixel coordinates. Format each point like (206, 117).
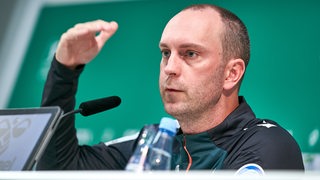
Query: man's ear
(234, 71)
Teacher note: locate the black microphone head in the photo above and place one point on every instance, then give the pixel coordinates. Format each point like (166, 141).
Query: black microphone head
(95, 106)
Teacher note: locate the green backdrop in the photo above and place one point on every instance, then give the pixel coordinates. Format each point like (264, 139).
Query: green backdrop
(282, 81)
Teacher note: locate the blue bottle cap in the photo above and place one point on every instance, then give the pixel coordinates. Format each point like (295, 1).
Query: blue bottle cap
(169, 124)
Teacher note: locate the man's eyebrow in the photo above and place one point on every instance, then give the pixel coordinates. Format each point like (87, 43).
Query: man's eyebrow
(186, 45)
(192, 45)
(163, 45)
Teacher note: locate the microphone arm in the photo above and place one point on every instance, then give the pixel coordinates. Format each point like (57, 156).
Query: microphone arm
(71, 112)
(95, 106)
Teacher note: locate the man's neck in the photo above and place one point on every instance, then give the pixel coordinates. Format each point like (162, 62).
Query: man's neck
(210, 119)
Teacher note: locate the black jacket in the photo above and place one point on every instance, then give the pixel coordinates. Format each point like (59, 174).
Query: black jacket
(239, 140)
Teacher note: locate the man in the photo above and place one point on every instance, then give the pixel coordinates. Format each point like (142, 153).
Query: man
(205, 51)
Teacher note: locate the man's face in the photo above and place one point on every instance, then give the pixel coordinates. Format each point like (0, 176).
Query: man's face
(191, 70)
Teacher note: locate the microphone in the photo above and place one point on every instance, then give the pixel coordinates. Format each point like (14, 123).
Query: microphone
(95, 106)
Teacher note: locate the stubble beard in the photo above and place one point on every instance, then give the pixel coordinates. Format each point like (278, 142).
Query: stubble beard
(190, 106)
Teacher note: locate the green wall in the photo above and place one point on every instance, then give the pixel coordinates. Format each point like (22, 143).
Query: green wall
(282, 81)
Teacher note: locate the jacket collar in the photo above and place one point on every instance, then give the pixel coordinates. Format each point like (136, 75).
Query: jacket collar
(204, 147)
(239, 119)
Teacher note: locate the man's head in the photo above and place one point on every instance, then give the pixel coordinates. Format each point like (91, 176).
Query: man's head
(234, 38)
(204, 55)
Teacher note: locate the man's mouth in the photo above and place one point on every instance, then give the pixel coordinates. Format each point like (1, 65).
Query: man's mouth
(172, 90)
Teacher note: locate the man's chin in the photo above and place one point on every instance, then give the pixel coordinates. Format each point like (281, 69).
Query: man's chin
(173, 110)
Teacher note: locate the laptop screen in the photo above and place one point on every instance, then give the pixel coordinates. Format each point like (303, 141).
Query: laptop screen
(24, 133)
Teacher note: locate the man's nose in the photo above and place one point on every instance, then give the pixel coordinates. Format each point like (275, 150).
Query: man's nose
(173, 66)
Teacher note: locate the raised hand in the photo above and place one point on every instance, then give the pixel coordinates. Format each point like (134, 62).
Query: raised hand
(80, 44)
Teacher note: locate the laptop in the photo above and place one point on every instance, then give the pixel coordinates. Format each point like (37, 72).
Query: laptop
(24, 134)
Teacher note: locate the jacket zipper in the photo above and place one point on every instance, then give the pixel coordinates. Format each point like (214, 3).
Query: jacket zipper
(186, 150)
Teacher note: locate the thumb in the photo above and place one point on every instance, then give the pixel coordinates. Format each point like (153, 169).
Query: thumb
(106, 33)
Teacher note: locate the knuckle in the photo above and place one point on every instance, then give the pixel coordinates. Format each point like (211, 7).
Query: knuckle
(78, 25)
(99, 21)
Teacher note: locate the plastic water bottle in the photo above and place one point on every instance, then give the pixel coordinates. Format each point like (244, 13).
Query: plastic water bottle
(159, 155)
(138, 158)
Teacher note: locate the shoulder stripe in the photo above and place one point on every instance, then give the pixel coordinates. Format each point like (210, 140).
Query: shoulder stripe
(266, 124)
(122, 139)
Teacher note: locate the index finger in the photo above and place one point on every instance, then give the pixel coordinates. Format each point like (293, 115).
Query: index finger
(97, 26)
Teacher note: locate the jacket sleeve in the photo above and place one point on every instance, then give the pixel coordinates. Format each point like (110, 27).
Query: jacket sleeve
(63, 151)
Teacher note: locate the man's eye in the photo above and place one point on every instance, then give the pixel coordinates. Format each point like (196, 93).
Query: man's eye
(165, 53)
(191, 54)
